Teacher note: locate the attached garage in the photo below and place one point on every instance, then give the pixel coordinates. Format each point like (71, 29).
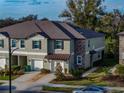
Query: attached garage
(36, 64)
(2, 63)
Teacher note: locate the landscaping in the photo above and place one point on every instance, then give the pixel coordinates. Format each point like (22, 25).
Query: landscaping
(7, 77)
(101, 77)
(57, 89)
(16, 72)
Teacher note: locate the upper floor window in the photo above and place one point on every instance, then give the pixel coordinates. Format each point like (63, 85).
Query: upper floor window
(58, 44)
(36, 44)
(13, 43)
(79, 60)
(1, 43)
(22, 43)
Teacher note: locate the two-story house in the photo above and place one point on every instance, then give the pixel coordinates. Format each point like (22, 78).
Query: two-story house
(44, 44)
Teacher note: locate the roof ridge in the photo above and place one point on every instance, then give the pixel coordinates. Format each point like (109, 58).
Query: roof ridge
(62, 29)
(41, 29)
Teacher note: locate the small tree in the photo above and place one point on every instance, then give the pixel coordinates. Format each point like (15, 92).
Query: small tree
(59, 75)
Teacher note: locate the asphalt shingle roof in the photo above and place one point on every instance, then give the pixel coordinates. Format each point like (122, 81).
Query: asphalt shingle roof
(49, 29)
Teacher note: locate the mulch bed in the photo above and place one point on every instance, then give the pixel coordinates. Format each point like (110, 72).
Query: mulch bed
(115, 80)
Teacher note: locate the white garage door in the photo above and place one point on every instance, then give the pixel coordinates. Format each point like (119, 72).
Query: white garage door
(2, 63)
(37, 64)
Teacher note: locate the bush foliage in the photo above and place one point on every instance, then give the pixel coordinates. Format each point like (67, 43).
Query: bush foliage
(120, 69)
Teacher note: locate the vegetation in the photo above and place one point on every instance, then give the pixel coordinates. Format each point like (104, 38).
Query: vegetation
(16, 71)
(11, 21)
(91, 14)
(93, 78)
(101, 76)
(59, 74)
(7, 77)
(120, 70)
(76, 73)
(45, 71)
(58, 89)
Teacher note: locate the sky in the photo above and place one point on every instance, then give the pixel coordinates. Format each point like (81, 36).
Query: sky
(46, 8)
(114, 4)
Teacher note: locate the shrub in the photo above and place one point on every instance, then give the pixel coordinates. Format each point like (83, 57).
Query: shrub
(16, 67)
(76, 73)
(45, 71)
(2, 72)
(59, 75)
(120, 70)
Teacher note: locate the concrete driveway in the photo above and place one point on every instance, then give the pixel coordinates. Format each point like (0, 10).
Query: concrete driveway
(23, 83)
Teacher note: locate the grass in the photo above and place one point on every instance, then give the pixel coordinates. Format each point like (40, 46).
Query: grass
(7, 77)
(57, 89)
(1, 83)
(95, 77)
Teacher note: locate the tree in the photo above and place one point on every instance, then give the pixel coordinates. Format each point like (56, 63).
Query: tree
(90, 14)
(59, 75)
(111, 24)
(11, 21)
(84, 13)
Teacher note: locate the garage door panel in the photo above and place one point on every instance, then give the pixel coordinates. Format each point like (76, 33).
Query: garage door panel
(37, 64)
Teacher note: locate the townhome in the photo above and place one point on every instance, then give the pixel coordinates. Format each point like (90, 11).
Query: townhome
(44, 44)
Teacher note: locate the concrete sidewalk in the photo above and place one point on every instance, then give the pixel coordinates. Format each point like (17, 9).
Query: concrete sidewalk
(89, 71)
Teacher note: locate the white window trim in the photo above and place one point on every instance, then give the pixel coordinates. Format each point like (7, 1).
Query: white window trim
(37, 48)
(20, 44)
(77, 60)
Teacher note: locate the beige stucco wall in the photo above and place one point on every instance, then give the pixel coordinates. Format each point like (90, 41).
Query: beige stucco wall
(65, 50)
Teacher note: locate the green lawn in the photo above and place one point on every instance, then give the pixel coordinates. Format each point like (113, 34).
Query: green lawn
(7, 77)
(95, 77)
(58, 89)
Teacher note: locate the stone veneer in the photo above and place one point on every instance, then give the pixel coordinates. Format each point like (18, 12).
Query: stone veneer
(80, 49)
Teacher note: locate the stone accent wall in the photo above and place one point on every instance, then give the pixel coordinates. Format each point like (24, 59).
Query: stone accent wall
(80, 50)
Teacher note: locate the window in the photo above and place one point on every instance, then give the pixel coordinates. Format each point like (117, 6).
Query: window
(58, 44)
(99, 54)
(88, 43)
(22, 43)
(1, 43)
(79, 60)
(36, 44)
(13, 43)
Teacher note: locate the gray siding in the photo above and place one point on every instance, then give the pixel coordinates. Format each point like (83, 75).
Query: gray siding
(95, 44)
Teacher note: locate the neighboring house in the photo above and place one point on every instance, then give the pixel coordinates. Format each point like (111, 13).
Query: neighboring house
(121, 47)
(44, 44)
